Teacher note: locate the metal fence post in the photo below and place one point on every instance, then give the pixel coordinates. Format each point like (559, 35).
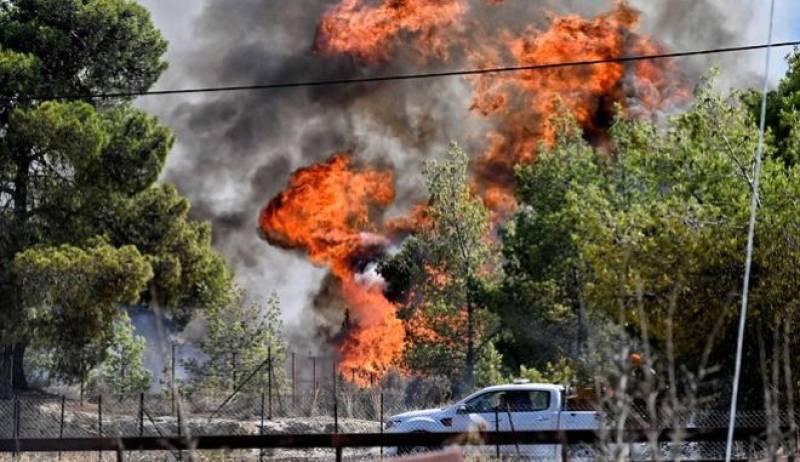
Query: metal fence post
(100, 415)
(180, 421)
(61, 422)
(335, 401)
(269, 383)
(172, 378)
(18, 420)
(141, 414)
(100, 423)
(381, 419)
(314, 373)
(336, 411)
(261, 429)
(294, 387)
(16, 412)
(497, 429)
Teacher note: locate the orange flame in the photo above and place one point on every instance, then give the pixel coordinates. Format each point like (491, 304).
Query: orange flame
(365, 30)
(325, 210)
(521, 104)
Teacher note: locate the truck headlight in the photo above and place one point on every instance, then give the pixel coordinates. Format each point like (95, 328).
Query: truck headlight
(391, 423)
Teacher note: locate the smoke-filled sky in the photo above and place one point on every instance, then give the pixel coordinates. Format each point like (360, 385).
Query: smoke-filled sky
(235, 151)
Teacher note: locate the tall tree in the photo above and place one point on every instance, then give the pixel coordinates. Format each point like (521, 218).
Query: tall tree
(240, 342)
(77, 184)
(656, 226)
(783, 110)
(123, 370)
(542, 299)
(442, 271)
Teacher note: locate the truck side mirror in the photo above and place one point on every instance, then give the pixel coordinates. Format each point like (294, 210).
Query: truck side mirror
(462, 409)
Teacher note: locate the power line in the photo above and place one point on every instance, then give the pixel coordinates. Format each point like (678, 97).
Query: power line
(416, 76)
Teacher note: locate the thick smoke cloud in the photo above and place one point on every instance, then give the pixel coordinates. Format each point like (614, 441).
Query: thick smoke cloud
(236, 150)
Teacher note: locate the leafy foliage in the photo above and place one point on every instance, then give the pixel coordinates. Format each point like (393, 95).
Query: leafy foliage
(240, 341)
(84, 46)
(71, 296)
(441, 272)
(489, 370)
(79, 207)
(783, 110)
(123, 371)
(649, 233)
(561, 372)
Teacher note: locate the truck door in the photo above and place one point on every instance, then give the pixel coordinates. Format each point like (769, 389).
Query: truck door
(479, 413)
(527, 410)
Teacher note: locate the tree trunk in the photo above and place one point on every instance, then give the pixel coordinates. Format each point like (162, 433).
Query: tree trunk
(582, 334)
(6, 371)
(12, 372)
(471, 359)
(19, 381)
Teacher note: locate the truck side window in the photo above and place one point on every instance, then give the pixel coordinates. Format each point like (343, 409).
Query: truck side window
(540, 400)
(525, 401)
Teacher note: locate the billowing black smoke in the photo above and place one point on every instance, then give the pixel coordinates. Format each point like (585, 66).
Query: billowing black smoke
(236, 150)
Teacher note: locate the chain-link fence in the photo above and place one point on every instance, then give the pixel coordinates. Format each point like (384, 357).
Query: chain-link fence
(311, 396)
(348, 408)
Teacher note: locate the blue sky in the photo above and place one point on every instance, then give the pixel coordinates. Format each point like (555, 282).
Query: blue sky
(787, 28)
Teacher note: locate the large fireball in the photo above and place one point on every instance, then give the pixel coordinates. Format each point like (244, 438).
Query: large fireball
(325, 211)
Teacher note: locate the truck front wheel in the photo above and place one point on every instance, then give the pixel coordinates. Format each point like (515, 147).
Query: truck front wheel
(406, 450)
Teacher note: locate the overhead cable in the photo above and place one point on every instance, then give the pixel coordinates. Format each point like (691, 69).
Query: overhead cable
(416, 76)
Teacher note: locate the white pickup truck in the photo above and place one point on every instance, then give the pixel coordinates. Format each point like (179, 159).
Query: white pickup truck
(511, 407)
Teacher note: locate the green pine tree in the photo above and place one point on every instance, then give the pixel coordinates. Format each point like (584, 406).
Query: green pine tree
(123, 371)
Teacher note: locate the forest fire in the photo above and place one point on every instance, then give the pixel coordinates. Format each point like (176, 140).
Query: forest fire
(520, 105)
(326, 208)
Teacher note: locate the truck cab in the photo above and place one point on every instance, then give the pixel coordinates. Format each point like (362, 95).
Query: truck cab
(509, 407)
